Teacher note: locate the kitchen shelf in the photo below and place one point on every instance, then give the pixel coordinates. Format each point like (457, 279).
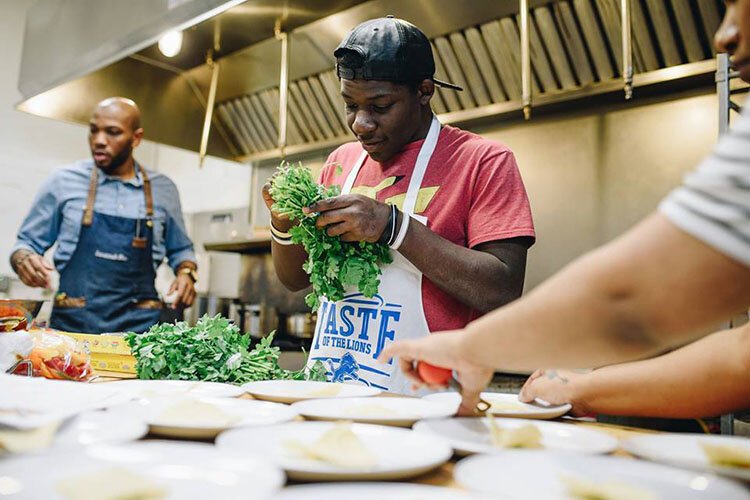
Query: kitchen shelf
(259, 244)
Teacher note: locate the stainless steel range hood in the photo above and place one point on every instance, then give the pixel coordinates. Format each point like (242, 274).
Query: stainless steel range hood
(77, 52)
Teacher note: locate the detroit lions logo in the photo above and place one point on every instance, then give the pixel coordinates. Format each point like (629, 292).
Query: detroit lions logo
(348, 369)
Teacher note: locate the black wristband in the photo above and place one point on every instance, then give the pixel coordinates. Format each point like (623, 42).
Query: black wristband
(387, 234)
(396, 226)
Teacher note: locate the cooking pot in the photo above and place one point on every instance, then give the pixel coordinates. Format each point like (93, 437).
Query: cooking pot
(301, 325)
(259, 320)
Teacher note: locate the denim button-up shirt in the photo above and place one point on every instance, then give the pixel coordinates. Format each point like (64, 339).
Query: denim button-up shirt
(58, 209)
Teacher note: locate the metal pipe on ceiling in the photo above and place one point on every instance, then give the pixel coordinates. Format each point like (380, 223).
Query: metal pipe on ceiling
(523, 6)
(218, 123)
(627, 49)
(214, 65)
(283, 86)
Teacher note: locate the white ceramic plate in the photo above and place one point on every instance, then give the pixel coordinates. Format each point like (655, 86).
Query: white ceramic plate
(472, 435)
(99, 427)
(503, 405)
(289, 391)
(376, 491)
(385, 411)
(525, 474)
(159, 388)
(245, 412)
(187, 470)
(684, 450)
(400, 453)
(30, 402)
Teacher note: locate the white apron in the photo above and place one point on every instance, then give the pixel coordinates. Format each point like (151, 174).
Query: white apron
(351, 334)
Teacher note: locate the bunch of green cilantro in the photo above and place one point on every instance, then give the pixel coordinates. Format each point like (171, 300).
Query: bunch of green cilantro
(213, 350)
(332, 264)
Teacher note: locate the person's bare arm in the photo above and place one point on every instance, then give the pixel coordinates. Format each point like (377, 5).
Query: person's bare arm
(653, 288)
(485, 277)
(706, 378)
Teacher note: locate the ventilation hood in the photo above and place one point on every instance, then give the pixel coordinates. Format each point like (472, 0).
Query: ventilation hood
(77, 52)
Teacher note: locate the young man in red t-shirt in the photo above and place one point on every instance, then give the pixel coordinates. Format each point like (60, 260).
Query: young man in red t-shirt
(461, 226)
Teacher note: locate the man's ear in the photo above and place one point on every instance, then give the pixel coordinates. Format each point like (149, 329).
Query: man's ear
(425, 90)
(137, 137)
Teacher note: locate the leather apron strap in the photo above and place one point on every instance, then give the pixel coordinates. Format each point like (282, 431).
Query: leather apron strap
(140, 241)
(88, 211)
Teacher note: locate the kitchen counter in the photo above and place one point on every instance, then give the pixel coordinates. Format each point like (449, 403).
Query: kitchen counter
(443, 475)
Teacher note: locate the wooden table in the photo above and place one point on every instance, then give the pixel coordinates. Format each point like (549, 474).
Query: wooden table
(443, 475)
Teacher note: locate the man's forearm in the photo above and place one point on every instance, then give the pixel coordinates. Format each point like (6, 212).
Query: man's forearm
(288, 261)
(475, 278)
(654, 288)
(706, 378)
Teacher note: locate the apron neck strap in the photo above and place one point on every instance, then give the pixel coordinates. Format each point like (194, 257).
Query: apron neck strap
(88, 211)
(147, 192)
(420, 166)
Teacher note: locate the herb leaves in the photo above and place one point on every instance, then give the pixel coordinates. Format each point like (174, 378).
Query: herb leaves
(332, 264)
(213, 350)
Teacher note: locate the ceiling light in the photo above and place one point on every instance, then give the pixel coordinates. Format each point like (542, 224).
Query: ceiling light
(171, 43)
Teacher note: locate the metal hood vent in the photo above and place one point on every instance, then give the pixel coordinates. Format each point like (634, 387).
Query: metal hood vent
(575, 46)
(77, 52)
(575, 51)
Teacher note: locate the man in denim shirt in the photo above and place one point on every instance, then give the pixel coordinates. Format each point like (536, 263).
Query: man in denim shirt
(114, 223)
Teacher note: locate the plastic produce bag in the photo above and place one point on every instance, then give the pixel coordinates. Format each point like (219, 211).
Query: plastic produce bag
(58, 356)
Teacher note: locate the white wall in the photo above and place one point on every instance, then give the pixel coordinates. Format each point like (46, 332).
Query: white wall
(31, 147)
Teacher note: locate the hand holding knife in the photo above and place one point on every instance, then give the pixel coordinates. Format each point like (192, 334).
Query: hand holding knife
(435, 375)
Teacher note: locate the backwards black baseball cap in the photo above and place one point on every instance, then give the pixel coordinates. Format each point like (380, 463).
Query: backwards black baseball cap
(387, 49)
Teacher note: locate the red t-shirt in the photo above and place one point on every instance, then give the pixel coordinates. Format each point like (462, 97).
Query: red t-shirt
(471, 193)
